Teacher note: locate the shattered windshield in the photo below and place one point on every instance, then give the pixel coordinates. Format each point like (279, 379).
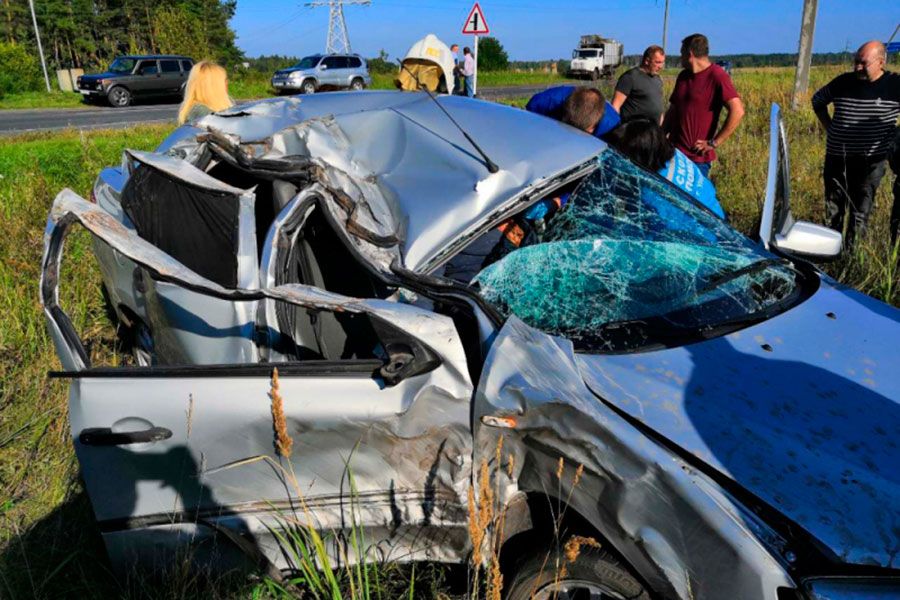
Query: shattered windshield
(633, 262)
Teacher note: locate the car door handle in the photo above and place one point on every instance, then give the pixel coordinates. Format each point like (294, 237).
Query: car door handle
(104, 436)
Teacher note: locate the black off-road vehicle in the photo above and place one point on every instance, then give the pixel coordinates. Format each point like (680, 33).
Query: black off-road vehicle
(137, 76)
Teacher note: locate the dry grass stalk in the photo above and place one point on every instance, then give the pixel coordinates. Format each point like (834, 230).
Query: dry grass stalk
(560, 467)
(190, 414)
(573, 546)
(283, 441)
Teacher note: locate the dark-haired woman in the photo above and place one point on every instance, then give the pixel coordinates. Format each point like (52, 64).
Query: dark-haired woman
(645, 143)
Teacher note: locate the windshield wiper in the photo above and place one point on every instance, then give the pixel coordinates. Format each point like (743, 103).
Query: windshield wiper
(491, 165)
(754, 267)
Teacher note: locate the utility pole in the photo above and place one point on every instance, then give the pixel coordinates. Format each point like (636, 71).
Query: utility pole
(665, 26)
(338, 40)
(37, 36)
(804, 52)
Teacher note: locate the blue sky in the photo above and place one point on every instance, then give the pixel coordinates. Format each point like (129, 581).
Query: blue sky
(535, 29)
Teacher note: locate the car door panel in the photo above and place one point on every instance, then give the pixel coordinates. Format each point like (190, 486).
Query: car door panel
(211, 455)
(171, 75)
(147, 80)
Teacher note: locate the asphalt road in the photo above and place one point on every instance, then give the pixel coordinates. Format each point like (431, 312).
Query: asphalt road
(97, 117)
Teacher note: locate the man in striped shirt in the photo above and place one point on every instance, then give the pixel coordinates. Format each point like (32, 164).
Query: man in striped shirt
(866, 107)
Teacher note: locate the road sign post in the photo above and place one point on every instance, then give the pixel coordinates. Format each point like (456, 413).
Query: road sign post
(475, 25)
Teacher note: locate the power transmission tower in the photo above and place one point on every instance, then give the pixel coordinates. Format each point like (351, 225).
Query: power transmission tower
(338, 41)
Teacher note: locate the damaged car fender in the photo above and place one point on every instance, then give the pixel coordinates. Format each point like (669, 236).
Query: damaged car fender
(683, 534)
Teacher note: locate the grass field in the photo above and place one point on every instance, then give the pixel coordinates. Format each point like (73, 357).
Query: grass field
(49, 544)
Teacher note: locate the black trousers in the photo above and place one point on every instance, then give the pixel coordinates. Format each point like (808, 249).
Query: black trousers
(850, 186)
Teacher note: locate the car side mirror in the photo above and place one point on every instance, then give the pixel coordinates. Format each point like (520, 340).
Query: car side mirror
(809, 241)
(323, 67)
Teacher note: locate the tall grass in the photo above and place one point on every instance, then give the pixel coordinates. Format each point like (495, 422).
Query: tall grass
(49, 546)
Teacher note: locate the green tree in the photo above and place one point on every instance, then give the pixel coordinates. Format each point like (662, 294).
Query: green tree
(19, 70)
(177, 31)
(491, 55)
(381, 64)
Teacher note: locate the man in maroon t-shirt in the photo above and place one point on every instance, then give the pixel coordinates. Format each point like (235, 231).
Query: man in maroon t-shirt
(701, 90)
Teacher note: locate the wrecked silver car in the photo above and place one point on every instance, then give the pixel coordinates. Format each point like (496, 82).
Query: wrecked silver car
(721, 416)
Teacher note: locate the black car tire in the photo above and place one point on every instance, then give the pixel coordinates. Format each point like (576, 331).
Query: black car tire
(357, 84)
(595, 75)
(308, 87)
(118, 96)
(137, 340)
(593, 574)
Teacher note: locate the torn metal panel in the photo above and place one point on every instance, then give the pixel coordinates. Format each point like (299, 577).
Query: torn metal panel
(802, 410)
(408, 444)
(183, 171)
(68, 207)
(678, 529)
(409, 172)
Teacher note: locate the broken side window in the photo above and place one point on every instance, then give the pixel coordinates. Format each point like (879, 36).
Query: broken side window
(633, 262)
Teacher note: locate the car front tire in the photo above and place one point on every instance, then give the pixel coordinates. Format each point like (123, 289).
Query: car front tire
(593, 574)
(308, 87)
(357, 85)
(595, 75)
(119, 97)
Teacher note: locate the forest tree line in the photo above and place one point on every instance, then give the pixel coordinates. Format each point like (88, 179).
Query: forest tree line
(88, 34)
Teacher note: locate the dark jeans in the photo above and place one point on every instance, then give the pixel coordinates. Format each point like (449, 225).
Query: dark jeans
(704, 168)
(850, 186)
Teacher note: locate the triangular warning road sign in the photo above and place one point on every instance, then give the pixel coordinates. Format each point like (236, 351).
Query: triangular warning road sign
(475, 23)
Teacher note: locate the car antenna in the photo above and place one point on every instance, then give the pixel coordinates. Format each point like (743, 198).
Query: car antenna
(491, 165)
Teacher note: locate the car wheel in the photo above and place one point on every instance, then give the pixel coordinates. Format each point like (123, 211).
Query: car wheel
(595, 75)
(357, 84)
(140, 341)
(594, 574)
(119, 96)
(308, 87)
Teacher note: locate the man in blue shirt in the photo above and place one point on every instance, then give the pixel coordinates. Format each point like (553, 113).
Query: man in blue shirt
(582, 107)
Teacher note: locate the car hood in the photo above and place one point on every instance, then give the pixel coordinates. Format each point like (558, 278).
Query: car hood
(802, 410)
(96, 76)
(289, 71)
(417, 174)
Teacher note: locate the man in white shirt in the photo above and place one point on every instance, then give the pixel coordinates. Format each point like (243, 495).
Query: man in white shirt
(468, 72)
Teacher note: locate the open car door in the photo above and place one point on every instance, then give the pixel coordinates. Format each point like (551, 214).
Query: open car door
(176, 454)
(778, 230)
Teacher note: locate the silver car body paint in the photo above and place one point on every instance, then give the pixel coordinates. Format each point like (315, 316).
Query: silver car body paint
(408, 445)
(412, 445)
(685, 536)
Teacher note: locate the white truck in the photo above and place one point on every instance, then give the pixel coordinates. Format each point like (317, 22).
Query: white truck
(595, 57)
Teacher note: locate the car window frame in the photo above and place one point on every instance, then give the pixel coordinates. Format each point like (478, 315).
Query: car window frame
(327, 66)
(162, 61)
(138, 69)
(356, 59)
(183, 61)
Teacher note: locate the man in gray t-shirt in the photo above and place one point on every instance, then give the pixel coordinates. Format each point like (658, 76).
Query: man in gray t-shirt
(639, 91)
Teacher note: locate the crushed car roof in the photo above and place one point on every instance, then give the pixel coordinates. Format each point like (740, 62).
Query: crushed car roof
(403, 148)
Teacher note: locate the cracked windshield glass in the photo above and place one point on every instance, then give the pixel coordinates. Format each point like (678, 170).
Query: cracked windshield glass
(632, 262)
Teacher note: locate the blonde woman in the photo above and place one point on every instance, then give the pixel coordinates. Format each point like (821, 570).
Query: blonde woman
(206, 92)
